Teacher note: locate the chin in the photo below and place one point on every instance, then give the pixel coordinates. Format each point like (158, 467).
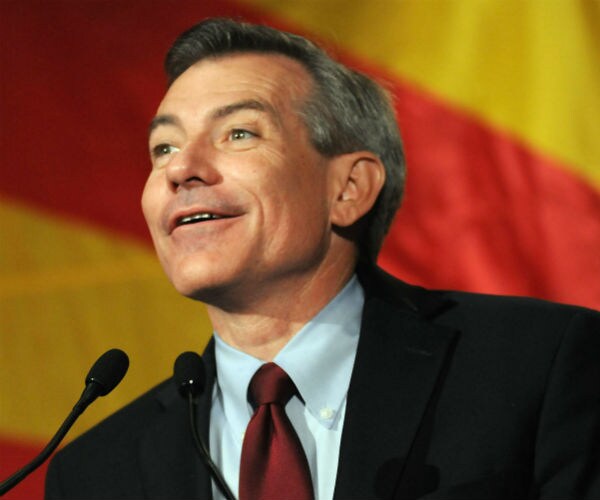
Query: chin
(203, 283)
(193, 286)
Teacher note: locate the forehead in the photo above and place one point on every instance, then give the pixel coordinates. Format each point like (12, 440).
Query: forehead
(279, 80)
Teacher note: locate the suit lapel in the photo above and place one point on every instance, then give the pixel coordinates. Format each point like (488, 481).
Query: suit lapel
(399, 360)
(170, 465)
(398, 364)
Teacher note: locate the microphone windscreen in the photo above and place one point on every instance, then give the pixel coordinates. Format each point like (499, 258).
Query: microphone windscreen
(189, 373)
(108, 370)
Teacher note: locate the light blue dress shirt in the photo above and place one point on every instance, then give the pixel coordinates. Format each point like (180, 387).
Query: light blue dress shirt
(319, 359)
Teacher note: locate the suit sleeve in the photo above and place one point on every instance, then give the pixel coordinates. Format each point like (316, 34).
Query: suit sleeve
(53, 488)
(567, 463)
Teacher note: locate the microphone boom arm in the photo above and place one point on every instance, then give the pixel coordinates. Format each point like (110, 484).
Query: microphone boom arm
(103, 377)
(204, 453)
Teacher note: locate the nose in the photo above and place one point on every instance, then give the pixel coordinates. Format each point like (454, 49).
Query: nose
(192, 166)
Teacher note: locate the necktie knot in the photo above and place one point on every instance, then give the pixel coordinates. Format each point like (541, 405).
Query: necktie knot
(271, 384)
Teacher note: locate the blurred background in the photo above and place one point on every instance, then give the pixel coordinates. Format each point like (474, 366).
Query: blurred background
(499, 106)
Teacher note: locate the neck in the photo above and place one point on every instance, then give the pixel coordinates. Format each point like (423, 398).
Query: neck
(271, 319)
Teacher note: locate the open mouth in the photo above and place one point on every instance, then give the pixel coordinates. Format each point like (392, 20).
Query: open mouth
(199, 217)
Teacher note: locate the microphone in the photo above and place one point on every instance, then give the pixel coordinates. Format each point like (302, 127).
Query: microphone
(190, 378)
(103, 377)
(189, 374)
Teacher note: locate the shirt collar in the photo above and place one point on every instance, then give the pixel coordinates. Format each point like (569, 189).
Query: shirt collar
(319, 359)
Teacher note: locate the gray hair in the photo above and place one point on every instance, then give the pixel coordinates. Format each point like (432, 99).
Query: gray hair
(345, 112)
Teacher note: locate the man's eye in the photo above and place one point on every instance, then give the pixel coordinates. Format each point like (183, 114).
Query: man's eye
(237, 134)
(163, 149)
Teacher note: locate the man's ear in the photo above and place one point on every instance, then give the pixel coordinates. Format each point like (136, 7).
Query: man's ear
(357, 180)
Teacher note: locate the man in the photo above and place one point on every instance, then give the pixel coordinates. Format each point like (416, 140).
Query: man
(276, 173)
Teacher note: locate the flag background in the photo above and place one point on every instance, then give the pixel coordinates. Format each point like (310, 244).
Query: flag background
(498, 102)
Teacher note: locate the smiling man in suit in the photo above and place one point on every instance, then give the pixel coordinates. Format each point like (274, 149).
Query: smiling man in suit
(276, 173)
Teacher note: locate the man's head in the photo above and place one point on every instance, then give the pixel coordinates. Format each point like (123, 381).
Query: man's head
(273, 143)
(345, 112)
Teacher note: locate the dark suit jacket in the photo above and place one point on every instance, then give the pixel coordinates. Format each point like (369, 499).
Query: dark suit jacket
(452, 395)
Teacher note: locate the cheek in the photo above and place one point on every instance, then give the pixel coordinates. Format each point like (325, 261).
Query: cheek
(296, 208)
(151, 202)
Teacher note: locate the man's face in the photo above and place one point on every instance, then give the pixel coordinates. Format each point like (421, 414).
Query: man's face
(238, 199)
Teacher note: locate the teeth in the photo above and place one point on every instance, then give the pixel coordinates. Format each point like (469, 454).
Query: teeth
(190, 219)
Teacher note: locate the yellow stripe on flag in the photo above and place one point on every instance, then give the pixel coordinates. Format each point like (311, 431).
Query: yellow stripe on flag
(67, 294)
(530, 67)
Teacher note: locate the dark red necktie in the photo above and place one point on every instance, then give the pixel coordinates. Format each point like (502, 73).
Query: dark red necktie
(273, 466)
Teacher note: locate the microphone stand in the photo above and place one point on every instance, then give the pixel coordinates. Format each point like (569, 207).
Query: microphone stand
(106, 373)
(204, 453)
(18, 476)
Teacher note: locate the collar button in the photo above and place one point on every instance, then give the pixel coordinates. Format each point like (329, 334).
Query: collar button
(326, 413)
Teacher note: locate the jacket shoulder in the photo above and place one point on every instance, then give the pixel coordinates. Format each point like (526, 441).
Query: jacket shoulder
(431, 303)
(110, 449)
(129, 420)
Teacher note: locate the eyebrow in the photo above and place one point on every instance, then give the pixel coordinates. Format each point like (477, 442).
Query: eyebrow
(219, 113)
(255, 104)
(159, 120)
